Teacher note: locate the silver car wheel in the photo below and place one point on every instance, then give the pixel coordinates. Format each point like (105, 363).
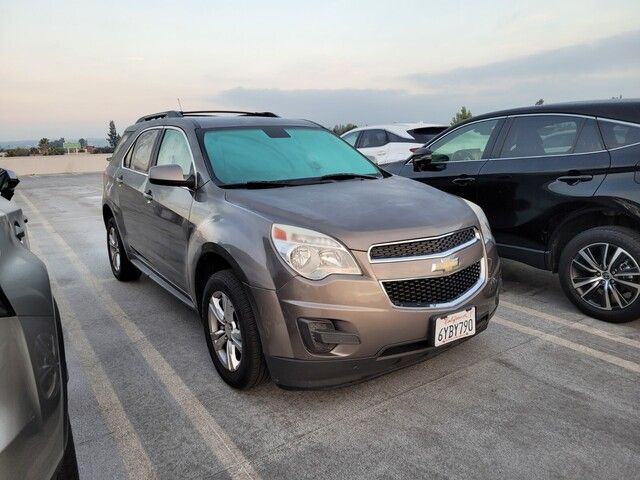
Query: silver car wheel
(225, 331)
(605, 276)
(114, 249)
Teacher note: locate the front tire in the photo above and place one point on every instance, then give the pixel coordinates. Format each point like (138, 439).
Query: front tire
(231, 332)
(600, 273)
(121, 267)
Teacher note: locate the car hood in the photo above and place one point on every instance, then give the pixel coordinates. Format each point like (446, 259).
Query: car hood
(361, 213)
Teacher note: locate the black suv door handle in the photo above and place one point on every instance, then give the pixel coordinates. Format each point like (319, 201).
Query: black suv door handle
(463, 180)
(575, 179)
(148, 196)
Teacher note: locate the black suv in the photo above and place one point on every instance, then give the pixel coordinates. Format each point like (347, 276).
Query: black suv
(560, 185)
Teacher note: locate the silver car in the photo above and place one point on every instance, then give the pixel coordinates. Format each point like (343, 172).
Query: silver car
(304, 259)
(35, 435)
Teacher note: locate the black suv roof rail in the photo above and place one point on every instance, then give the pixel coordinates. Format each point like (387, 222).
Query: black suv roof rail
(177, 114)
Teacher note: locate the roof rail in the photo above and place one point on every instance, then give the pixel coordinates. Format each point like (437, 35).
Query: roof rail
(178, 114)
(238, 112)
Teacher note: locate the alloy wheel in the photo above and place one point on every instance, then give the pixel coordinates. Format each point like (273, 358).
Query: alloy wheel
(605, 276)
(225, 331)
(114, 249)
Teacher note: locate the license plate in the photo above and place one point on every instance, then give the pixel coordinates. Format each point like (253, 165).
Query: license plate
(455, 326)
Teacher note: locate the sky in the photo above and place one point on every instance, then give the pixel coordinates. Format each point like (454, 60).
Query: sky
(68, 67)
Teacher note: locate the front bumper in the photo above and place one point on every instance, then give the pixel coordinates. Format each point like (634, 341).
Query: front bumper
(390, 337)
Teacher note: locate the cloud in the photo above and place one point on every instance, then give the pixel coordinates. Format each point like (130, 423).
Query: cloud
(609, 58)
(601, 69)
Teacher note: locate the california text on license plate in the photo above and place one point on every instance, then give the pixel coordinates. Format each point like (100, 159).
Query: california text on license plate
(455, 326)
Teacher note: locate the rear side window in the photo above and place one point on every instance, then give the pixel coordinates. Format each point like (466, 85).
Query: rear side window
(142, 150)
(392, 137)
(540, 135)
(373, 138)
(425, 134)
(174, 150)
(619, 134)
(589, 139)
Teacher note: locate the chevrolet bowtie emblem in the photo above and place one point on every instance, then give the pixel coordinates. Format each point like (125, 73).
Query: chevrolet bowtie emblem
(445, 265)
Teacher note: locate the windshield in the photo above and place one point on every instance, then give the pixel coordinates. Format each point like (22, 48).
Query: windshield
(271, 154)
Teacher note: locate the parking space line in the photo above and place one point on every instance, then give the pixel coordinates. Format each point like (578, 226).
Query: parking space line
(219, 443)
(620, 362)
(132, 453)
(575, 325)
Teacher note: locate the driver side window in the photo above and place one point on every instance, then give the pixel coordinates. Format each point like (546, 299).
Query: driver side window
(466, 143)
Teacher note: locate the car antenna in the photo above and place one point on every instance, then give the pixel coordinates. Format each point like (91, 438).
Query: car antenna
(179, 104)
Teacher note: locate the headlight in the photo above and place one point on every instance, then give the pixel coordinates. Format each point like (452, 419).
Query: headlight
(311, 254)
(482, 218)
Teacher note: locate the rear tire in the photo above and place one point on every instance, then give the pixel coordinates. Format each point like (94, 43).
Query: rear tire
(231, 332)
(600, 273)
(122, 268)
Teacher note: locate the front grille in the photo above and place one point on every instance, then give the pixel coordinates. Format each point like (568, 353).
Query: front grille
(423, 292)
(418, 248)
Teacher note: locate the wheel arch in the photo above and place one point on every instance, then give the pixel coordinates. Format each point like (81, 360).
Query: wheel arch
(213, 258)
(615, 212)
(107, 213)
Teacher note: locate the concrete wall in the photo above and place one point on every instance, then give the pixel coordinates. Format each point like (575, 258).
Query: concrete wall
(42, 165)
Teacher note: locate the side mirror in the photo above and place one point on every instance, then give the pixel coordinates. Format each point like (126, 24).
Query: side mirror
(171, 176)
(421, 159)
(8, 182)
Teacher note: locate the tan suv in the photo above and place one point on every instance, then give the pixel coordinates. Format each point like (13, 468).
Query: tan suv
(305, 261)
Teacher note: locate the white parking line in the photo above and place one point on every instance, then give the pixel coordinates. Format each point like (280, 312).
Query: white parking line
(133, 454)
(620, 362)
(575, 325)
(224, 449)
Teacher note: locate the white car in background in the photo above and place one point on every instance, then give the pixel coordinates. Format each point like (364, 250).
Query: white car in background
(390, 143)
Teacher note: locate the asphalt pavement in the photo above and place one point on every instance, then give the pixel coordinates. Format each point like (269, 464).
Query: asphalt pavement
(544, 392)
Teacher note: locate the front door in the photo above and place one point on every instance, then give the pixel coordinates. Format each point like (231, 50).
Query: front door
(170, 208)
(544, 163)
(457, 158)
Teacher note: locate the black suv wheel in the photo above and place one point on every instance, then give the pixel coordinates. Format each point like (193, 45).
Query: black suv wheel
(121, 267)
(600, 273)
(231, 332)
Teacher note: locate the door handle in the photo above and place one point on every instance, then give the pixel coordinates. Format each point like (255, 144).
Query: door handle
(119, 180)
(575, 179)
(148, 195)
(462, 181)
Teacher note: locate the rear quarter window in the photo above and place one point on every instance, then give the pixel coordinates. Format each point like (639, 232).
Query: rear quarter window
(618, 134)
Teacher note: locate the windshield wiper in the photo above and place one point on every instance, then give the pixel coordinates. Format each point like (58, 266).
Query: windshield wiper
(347, 176)
(265, 184)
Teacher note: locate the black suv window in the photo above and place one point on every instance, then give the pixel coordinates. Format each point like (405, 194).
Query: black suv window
(465, 143)
(539, 135)
(373, 138)
(619, 134)
(589, 139)
(141, 156)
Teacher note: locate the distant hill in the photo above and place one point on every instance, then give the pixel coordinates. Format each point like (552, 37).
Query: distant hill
(96, 142)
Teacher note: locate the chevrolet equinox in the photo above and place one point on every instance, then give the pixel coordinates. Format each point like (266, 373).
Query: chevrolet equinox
(305, 261)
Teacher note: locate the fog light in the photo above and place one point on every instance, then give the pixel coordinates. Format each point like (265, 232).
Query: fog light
(321, 336)
(310, 331)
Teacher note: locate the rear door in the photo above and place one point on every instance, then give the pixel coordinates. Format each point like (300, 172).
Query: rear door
(544, 165)
(132, 180)
(374, 143)
(169, 207)
(457, 158)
